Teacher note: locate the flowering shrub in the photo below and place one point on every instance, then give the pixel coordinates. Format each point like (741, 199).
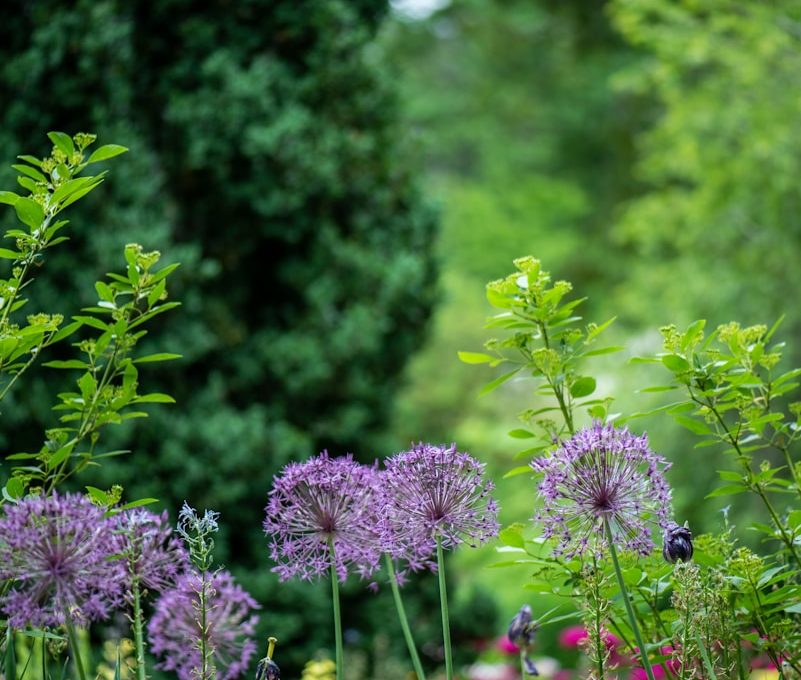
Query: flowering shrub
(709, 608)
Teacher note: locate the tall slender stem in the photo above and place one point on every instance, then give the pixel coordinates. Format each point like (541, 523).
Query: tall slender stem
(137, 630)
(76, 652)
(599, 643)
(337, 614)
(407, 632)
(443, 600)
(627, 600)
(207, 668)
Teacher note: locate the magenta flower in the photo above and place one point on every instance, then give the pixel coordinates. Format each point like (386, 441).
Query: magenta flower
(602, 474)
(174, 629)
(58, 553)
(152, 552)
(435, 491)
(322, 502)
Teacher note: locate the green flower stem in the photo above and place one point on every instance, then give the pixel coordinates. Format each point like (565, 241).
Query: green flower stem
(337, 614)
(137, 630)
(627, 600)
(76, 652)
(207, 670)
(407, 632)
(443, 600)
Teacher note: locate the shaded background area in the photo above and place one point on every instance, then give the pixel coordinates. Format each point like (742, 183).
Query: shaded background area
(340, 179)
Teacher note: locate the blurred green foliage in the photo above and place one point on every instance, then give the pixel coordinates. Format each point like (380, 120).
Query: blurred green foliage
(642, 149)
(268, 158)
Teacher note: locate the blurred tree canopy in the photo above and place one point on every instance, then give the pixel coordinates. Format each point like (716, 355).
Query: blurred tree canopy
(268, 158)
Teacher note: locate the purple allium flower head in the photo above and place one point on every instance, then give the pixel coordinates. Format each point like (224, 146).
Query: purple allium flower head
(321, 501)
(58, 552)
(602, 473)
(174, 631)
(152, 551)
(433, 491)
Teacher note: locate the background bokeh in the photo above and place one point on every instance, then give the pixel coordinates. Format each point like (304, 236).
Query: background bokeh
(341, 178)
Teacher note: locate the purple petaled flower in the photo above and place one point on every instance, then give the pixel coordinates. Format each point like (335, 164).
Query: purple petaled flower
(602, 473)
(435, 491)
(152, 552)
(58, 552)
(318, 503)
(174, 630)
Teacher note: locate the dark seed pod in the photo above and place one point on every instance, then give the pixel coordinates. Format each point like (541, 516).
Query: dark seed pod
(678, 543)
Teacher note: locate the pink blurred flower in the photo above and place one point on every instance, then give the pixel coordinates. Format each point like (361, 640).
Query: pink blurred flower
(639, 673)
(505, 645)
(571, 636)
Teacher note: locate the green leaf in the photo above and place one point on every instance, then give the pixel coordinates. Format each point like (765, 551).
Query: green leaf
(490, 386)
(521, 434)
(598, 411)
(603, 350)
(91, 321)
(33, 173)
(63, 142)
(105, 152)
(154, 398)
(98, 495)
(9, 197)
(693, 425)
(87, 385)
(69, 363)
(29, 212)
(582, 387)
(521, 470)
(11, 659)
(7, 254)
(15, 487)
(726, 490)
(675, 363)
(139, 503)
(60, 456)
(475, 357)
(512, 536)
(160, 356)
(32, 160)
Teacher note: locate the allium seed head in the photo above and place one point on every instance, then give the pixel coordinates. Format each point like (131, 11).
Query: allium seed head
(58, 553)
(602, 473)
(152, 552)
(174, 629)
(320, 502)
(433, 491)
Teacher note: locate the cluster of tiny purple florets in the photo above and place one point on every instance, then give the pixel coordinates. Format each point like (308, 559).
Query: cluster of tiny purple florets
(155, 555)
(423, 494)
(435, 492)
(602, 474)
(231, 623)
(56, 551)
(63, 557)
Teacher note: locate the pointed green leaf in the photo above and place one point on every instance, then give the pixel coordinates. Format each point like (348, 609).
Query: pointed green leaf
(582, 387)
(105, 152)
(63, 142)
(29, 212)
(490, 386)
(475, 357)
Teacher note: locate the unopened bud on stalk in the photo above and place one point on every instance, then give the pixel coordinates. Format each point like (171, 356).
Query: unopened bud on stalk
(267, 669)
(678, 543)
